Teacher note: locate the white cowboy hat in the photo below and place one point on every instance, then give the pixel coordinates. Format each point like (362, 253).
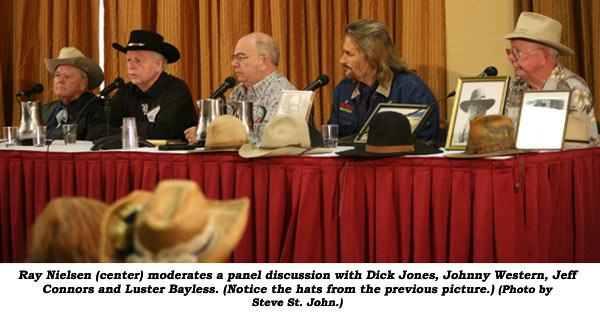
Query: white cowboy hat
(72, 56)
(540, 28)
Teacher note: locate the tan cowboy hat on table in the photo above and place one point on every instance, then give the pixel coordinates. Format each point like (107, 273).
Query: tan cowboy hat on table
(285, 135)
(175, 223)
(542, 29)
(72, 56)
(224, 133)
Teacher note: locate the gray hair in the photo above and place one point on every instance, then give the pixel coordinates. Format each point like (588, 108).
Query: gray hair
(84, 74)
(267, 46)
(158, 56)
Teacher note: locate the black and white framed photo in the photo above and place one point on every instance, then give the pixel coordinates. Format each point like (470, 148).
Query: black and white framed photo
(475, 96)
(413, 112)
(542, 119)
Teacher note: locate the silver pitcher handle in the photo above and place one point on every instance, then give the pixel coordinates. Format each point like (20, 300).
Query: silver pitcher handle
(229, 109)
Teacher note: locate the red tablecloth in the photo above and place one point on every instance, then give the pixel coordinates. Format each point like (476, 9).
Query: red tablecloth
(309, 209)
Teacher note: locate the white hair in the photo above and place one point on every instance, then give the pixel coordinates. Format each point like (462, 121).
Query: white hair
(160, 56)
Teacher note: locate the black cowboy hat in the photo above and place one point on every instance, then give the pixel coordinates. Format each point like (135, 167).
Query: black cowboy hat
(390, 135)
(148, 40)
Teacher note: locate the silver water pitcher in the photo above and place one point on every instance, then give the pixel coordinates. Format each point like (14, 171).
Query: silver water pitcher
(30, 120)
(246, 112)
(208, 110)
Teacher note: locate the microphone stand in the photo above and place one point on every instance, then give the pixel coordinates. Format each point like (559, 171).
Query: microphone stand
(107, 112)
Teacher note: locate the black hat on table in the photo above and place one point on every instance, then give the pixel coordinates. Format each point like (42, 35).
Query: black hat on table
(390, 135)
(148, 40)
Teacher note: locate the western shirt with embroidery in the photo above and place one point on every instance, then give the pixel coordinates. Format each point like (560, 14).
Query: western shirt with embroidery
(265, 92)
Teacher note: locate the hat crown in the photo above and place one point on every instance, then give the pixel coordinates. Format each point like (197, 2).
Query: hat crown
(540, 26)
(477, 94)
(490, 133)
(70, 52)
(175, 214)
(389, 129)
(286, 130)
(144, 36)
(225, 131)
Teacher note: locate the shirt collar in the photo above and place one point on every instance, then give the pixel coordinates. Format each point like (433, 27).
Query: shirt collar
(384, 88)
(260, 87)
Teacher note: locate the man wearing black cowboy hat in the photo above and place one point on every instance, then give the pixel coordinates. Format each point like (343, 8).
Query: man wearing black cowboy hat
(161, 103)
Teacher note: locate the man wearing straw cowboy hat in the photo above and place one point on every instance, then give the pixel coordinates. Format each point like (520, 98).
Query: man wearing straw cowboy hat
(161, 104)
(73, 75)
(476, 106)
(535, 55)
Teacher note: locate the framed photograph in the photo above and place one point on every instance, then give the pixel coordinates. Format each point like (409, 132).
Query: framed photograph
(543, 119)
(295, 102)
(414, 112)
(474, 96)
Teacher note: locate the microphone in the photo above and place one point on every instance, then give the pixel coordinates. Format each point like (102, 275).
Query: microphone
(229, 83)
(322, 80)
(118, 83)
(490, 71)
(428, 113)
(38, 88)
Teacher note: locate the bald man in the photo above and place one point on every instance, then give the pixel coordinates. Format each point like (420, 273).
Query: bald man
(255, 62)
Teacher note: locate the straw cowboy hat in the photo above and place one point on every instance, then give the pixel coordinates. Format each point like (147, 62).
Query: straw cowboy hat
(390, 135)
(285, 135)
(176, 223)
(490, 135)
(72, 56)
(477, 98)
(224, 133)
(148, 40)
(542, 29)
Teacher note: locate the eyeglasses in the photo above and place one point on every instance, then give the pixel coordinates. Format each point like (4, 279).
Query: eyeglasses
(241, 56)
(518, 54)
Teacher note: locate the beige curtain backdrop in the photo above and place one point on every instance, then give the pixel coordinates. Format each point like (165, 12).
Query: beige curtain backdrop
(309, 32)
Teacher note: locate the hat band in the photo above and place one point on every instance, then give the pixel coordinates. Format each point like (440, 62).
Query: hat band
(389, 149)
(136, 44)
(486, 149)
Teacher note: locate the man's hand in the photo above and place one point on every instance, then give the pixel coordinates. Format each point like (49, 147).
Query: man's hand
(190, 135)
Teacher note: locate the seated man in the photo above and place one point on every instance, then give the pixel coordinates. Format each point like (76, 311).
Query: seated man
(73, 75)
(535, 54)
(255, 62)
(161, 103)
(374, 73)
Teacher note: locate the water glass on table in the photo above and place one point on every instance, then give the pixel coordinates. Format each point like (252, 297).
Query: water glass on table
(39, 136)
(70, 133)
(10, 135)
(330, 134)
(129, 134)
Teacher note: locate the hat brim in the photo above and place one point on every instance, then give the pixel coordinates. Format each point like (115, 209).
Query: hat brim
(93, 70)
(487, 103)
(214, 150)
(251, 151)
(420, 149)
(504, 152)
(170, 52)
(564, 50)
(229, 219)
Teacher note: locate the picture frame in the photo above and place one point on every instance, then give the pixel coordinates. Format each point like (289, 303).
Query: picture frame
(295, 102)
(474, 96)
(414, 112)
(543, 120)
